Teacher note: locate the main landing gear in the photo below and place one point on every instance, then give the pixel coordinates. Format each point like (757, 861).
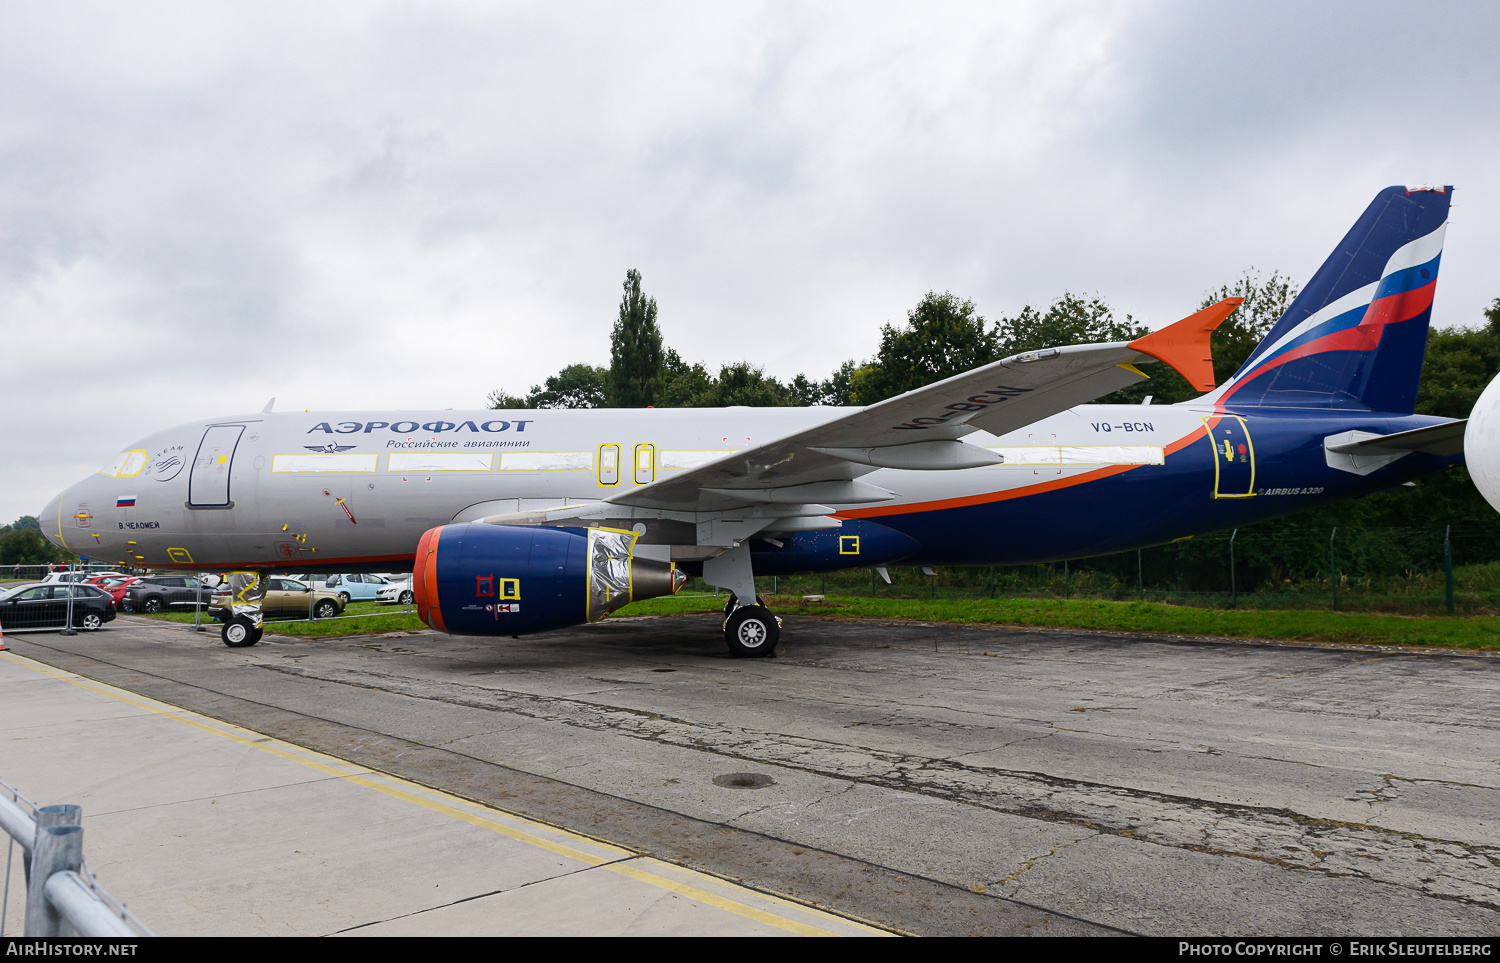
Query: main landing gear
(750, 631)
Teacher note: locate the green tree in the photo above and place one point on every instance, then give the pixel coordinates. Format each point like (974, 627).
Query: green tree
(498, 399)
(943, 336)
(1071, 319)
(839, 388)
(576, 386)
(683, 384)
(27, 521)
(635, 368)
(23, 544)
(742, 383)
(1265, 302)
(1231, 343)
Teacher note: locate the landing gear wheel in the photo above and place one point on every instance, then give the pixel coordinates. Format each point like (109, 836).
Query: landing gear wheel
(239, 632)
(325, 609)
(752, 632)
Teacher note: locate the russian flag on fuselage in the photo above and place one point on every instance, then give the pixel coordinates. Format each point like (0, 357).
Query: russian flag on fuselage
(1356, 335)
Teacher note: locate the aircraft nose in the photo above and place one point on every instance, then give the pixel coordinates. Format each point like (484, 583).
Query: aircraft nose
(48, 519)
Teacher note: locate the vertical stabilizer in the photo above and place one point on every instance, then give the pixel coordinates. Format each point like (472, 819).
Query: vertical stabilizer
(1354, 338)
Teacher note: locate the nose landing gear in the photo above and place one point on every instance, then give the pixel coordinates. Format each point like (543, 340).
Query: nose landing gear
(247, 595)
(239, 632)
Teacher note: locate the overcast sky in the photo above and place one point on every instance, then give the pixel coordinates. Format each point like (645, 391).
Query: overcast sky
(379, 205)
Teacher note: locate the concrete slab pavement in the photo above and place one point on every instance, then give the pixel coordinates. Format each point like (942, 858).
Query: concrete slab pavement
(207, 828)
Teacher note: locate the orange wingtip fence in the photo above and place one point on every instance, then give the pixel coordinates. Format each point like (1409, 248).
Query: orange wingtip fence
(1184, 344)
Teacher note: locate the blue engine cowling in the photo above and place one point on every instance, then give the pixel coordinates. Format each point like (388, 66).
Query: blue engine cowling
(471, 578)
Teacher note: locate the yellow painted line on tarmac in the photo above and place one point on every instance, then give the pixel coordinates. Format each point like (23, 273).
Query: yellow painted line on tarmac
(446, 804)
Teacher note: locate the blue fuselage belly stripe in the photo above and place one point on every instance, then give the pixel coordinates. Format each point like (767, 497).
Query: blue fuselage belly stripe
(1144, 506)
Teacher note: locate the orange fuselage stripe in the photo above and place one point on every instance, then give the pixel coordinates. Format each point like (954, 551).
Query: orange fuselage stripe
(988, 497)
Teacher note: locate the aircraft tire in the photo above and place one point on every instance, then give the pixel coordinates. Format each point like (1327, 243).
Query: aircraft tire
(751, 632)
(239, 632)
(734, 600)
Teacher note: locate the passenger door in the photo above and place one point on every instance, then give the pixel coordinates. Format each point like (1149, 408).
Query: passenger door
(208, 484)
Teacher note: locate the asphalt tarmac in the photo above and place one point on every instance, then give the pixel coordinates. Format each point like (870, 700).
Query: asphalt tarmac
(927, 778)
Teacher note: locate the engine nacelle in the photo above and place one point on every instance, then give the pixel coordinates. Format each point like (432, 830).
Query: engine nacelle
(476, 579)
(1482, 447)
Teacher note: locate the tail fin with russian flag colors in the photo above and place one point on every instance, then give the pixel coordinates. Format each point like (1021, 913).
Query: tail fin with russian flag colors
(1355, 337)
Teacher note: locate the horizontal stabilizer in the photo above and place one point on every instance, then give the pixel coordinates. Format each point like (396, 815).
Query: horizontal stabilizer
(1444, 439)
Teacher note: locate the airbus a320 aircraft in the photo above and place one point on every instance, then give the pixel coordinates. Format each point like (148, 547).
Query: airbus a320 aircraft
(520, 522)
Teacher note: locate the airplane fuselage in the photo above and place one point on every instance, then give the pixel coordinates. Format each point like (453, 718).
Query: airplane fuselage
(347, 491)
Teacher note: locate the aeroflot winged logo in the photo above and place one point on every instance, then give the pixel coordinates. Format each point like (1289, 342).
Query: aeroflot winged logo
(965, 408)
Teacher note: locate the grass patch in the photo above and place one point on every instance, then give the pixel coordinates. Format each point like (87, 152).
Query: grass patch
(1365, 628)
(362, 618)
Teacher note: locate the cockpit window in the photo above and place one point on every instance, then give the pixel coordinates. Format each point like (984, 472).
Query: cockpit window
(127, 464)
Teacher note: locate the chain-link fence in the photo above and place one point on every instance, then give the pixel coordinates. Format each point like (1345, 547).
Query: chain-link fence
(17, 572)
(1395, 570)
(1415, 571)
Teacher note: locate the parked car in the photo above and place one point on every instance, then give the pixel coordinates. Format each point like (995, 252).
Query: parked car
(35, 606)
(115, 585)
(78, 576)
(356, 588)
(285, 599)
(164, 593)
(396, 592)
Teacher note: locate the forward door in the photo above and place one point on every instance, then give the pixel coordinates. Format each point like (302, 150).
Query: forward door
(208, 485)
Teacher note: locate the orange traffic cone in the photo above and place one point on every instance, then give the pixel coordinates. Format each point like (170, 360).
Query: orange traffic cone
(2, 638)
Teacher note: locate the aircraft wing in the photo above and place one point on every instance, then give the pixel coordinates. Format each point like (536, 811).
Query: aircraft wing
(919, 429)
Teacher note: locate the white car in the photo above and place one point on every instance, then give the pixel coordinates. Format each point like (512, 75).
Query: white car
(396, 592)
(78, 576)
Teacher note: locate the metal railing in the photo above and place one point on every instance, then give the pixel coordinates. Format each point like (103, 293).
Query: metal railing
(63, 898)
